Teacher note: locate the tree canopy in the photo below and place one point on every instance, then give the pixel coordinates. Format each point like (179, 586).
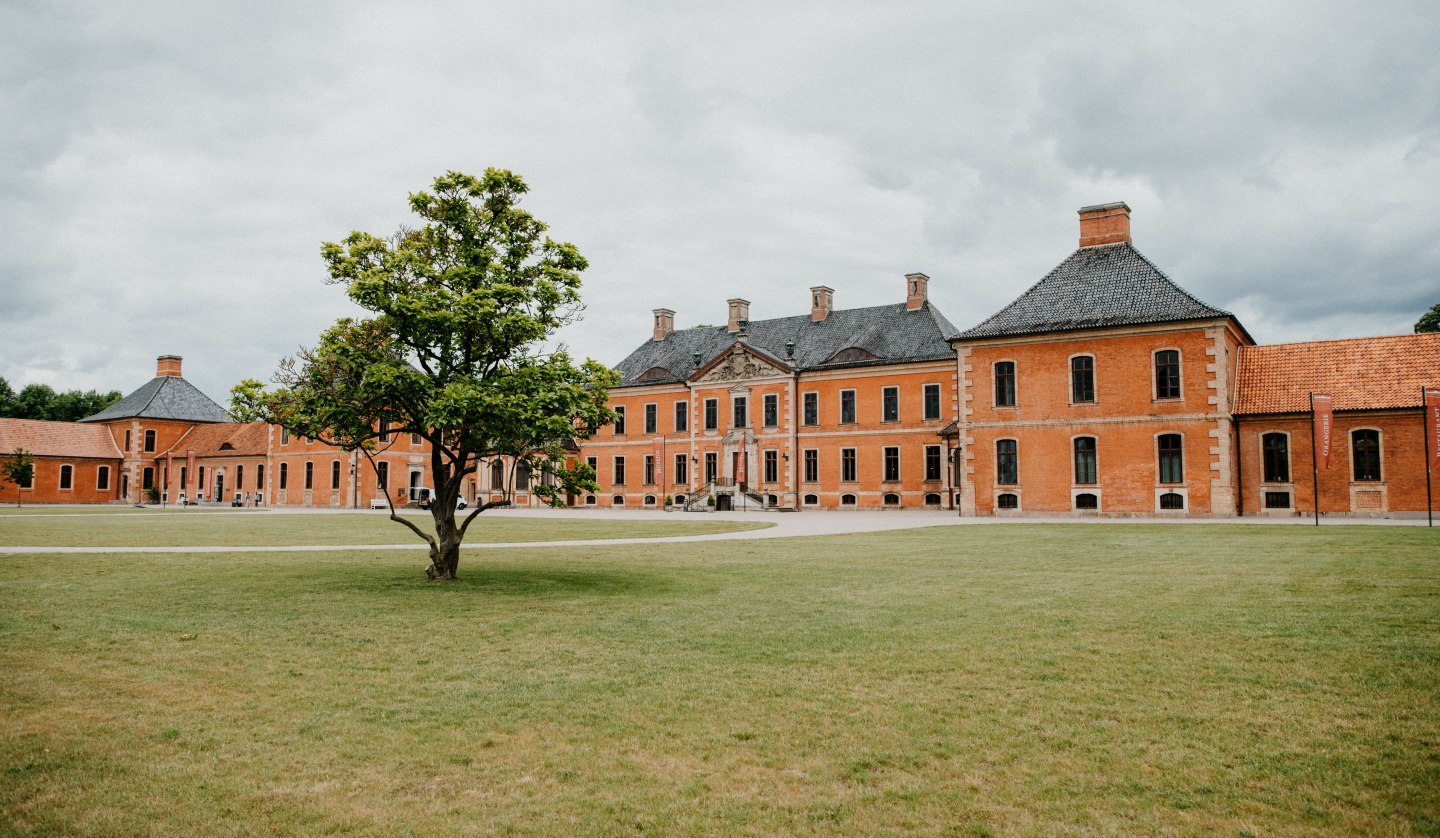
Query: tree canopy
(457, 349)
(41, 401)
(1429, 321)
(18, 468)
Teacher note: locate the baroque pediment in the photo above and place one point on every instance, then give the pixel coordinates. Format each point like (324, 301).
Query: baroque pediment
(738, 364)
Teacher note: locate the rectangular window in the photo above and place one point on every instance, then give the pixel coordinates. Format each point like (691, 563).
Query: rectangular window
(652, 419)
(309, 475)
(649, 469)
(1167, 374)
(932, 401)
(1082, 379)
(1172, 458)
(102, 478)
(619, 479)
(811, 403)
(497, 474)
(772, 466)
(127, 440)
(1276, 450)
(682, 467)
(522, 476)
(932, 462)
(890, 404)
(200, 479)
(892, 463)
(1007, 462)
(847, 407)
(239, 477)
(594, 465)
(738, 417)
(682, 416)
(1277, 500)
(382, 476)
(284, 474)
(847, 465)
(67, 477)
(712, 464)
(1085, 460)
(260, 476)
(619, 420)
(772, 410)
(1004, 383)
(147, 479)
(284, 436)
(384, 431)
(1365, 452)
(415, 439)
(812, 465)
(149, 440)
(712, 414)
(334, 475)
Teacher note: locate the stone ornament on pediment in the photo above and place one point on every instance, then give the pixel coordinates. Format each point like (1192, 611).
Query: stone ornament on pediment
(741, 365)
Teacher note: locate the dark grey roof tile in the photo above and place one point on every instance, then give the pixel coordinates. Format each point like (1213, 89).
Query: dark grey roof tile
(164, 397)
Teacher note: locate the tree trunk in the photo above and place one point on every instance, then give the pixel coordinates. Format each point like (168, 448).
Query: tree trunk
(444, 561)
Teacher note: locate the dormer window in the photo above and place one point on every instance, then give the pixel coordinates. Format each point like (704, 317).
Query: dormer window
(852, 354)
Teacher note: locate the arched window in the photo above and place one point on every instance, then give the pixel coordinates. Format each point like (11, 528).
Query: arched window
(649, 500)
(1085, 460)
(618, 500)
(1172, 500)
(932, 498)
(334, 475)
(1167, 374)
(589, 500)
(1365, 453)
(1275, 448)
(1087, 500)
(1007, 462)
(1008, 500)
(1172, 458)
(847, 500)
(67, 477)
(812, 500)
(891, 499)
(1082, 378)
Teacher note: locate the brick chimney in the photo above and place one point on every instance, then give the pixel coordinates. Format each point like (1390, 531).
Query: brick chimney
(822, 302)
(664, 323)
(916, 291)
(739, 310)
(167, 365)
(1104, 224)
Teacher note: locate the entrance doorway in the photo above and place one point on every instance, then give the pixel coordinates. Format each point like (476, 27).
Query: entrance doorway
(722, 503)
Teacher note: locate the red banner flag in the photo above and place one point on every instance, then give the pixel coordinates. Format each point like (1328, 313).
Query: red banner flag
(189, 466)
(740, 466)
(659, 461)
(169, 465)
(1432, 421)
(1322, 408)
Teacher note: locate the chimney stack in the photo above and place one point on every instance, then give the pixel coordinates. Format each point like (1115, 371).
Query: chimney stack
(739, 312)
(1104, 224)
(167, 366)
(664, 323)
(917, 291)
(822, 302)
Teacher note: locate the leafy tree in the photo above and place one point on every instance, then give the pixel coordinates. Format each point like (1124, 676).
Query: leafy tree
(19, 468)
(456, 351)
(40, 401)
(1429, 321)
(246, 400)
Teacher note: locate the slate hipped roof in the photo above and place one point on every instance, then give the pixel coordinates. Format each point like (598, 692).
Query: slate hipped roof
(164, 397)
(1105, 285)
(1360, 373)
(890, 333)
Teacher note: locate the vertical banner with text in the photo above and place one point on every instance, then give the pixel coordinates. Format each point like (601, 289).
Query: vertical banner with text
(740, 466)
(660, 462)
(1432, 424)
(1323, 406)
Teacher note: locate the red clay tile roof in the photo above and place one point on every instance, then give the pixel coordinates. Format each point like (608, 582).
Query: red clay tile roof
(57, 439)
(1361, 373)
(209, 440)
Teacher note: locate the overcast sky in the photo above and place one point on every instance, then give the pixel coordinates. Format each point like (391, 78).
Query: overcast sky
(168, 171)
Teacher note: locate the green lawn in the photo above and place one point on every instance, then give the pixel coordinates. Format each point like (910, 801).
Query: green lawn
(193, 528)
(1007, 679)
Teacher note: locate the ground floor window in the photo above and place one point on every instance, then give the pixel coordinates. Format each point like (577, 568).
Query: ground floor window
(1365, 452)
(847, 500)
(1277, 500)
(891, 499)
(67, 477)
(1008, 501)
(812, 500)
(1172, 500)
(1087, 500)
(932, 499)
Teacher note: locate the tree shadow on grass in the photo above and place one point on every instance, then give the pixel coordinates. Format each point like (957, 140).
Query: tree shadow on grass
(537, 582)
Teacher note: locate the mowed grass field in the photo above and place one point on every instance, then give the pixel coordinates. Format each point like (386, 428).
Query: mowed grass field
(151, 527)
(1006, 679)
